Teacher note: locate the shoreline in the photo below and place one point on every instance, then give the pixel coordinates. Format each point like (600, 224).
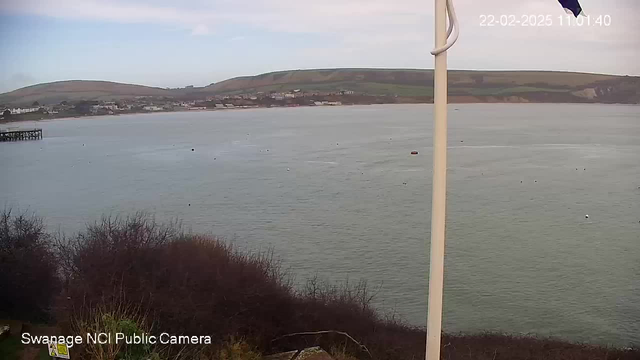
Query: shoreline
(2, 122)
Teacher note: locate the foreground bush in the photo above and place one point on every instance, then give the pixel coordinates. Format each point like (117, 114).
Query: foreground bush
(28, 269)
(187, 284)
(198, 285)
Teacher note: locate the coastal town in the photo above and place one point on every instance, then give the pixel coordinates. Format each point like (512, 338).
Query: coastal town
(189, 102)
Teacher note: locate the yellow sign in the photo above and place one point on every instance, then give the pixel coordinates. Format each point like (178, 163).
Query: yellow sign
(60, 351)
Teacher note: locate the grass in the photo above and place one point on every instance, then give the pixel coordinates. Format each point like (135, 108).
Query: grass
(394, 89)
(112, 318)
(10, 348)
(518, 90)
(390, 89)
(333, 79)
(401, 82)
(371, 88)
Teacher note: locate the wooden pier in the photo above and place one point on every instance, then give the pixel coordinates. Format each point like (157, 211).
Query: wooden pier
(17, 135)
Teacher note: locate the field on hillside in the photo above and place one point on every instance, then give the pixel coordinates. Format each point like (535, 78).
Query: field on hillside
(533, 86)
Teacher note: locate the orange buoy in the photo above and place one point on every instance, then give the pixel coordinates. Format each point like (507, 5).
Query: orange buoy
(414, 153)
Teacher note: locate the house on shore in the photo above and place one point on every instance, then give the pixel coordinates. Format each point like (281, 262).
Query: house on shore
(19, 110)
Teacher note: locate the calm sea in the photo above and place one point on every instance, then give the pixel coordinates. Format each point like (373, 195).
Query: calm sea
(335, 192)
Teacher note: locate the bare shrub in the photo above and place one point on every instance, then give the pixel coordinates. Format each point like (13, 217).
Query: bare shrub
(189, 284)
(28, 272)
(113, 253)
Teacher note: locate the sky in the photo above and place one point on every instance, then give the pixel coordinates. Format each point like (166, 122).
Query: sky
(168, 43)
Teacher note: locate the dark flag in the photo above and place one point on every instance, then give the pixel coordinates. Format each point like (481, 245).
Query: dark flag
(572, 5)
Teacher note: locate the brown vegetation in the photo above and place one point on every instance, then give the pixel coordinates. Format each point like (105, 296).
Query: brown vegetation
(28, 270)
(134, 275)
(188, 284)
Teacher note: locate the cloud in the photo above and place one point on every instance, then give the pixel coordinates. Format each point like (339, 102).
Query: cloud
(277, 15)
(201, 30)
(113, 11)
(328, 16)
(392, 32)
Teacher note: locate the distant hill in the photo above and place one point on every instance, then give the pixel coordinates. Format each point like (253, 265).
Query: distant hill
(338, 78)
(413, 85)
(74, 90)
(464, 86)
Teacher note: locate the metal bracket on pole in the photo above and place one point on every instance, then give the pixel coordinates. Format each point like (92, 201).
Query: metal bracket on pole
(454, 28)
(445, 38)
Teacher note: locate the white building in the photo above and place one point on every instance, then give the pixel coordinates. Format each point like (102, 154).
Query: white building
(16, 111)
(152, 108)
(112, 107)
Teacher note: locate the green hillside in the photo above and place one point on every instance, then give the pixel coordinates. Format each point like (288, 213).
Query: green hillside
(411, 84)
(75, 90)
(535, 86)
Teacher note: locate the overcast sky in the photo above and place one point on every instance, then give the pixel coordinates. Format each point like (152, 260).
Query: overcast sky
(171, 43)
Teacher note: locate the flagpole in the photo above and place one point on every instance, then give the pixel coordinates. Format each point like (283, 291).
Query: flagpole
(438, 202)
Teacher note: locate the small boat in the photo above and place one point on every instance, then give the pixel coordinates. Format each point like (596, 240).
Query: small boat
(414, 153)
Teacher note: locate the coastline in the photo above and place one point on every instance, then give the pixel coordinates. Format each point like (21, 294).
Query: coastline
(4, 123)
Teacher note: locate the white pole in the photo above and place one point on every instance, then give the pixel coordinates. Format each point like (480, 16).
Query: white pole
(438, 202)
